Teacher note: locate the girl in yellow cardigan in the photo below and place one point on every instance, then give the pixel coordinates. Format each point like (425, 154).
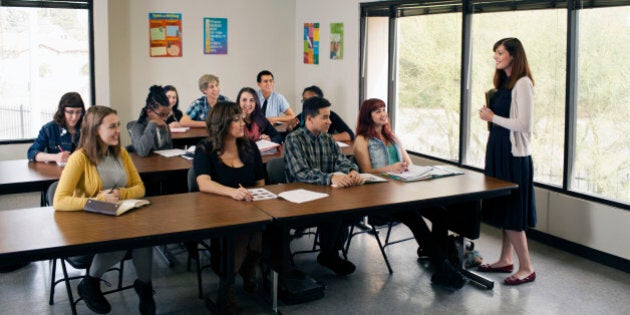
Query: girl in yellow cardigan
(101, 169)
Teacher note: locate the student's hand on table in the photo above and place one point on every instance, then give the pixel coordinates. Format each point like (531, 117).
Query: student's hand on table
(340, 180)
(62, 157)
(175, 124)
(398, 167)
(112, 197)
(356, 178)
(242, 194)
(291, 124)
(265, 137)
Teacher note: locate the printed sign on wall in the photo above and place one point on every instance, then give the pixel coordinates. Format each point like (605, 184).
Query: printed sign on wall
(311, 43)
(165, 34)
(336, 41)
(215, 36)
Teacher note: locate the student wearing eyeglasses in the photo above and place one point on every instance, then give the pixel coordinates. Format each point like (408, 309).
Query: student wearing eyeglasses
(150, 132)
(59, 137)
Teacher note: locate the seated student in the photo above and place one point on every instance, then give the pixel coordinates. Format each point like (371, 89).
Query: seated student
(101, 169)
(257, 127)
(378, 150)
(173, 103)
(312, 156)
(198, 110)
(274, 104)
(59, 137)
(224, 163)
(339, 130)
(150, 132)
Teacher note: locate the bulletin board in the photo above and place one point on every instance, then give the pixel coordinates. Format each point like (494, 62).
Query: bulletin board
(165, 35)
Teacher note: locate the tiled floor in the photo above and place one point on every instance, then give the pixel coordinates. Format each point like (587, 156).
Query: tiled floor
(566, 284)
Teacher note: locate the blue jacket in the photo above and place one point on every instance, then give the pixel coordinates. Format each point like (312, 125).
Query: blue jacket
(379, 156)
(50, 137)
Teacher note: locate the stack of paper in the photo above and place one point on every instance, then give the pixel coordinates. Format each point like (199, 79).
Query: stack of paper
(266, 145)
(180, 129)
(170, 152)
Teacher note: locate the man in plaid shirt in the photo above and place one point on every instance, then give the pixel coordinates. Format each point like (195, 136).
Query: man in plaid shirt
(311, 155)
(199, 109)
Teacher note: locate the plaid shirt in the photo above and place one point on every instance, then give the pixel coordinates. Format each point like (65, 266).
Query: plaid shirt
(313, 159)
(199, 108)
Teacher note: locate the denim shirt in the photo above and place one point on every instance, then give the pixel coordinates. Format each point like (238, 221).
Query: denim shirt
(50, 137)
(379, 156)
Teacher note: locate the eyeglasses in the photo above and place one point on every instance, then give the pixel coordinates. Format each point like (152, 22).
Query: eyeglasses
(161, 115)
(73, 112)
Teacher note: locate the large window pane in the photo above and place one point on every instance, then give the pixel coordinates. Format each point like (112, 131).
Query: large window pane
(602, 163)
(428, 84)
(543, 34)
(44, 53)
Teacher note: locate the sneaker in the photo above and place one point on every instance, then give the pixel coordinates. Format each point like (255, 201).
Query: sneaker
(336, 264)
(446, 275)
(90, 291)
(145, 292)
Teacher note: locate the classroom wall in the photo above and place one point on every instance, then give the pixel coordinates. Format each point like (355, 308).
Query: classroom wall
(124, 72)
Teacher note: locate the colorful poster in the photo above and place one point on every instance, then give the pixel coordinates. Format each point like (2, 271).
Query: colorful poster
(336, 41)
(215, 36)
(311, 43)
(165, 34)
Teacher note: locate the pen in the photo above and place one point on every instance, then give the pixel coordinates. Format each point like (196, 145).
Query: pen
(60, 148)
(112, 190)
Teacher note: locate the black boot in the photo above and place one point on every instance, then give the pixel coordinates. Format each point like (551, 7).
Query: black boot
(145, 292)
(248, 271)
(90, 290)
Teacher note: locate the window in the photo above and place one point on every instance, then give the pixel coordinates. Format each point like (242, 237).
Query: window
(428, 84)
(45, 53)
(439, 64)
(602, 148)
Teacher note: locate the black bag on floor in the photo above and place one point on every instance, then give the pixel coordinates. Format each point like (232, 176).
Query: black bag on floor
(296, 287)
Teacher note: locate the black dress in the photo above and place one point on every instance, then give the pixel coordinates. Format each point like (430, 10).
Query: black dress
(516, 211)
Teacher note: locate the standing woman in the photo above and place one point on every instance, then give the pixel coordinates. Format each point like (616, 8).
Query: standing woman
(150, 132)
(58, 138)
(173, 103)
(508, 157)
(101, 169)
(224, 163)
(257, 126)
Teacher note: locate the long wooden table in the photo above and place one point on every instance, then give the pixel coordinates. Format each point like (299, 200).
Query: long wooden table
(41, 233)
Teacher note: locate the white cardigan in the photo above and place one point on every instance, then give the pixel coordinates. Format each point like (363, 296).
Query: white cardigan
(520, 122)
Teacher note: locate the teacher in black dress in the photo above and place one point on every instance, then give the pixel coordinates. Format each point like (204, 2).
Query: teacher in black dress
(225, 163)
(508, 157)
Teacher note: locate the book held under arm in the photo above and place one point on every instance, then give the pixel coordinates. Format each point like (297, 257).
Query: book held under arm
(114, 209)
(417, 172)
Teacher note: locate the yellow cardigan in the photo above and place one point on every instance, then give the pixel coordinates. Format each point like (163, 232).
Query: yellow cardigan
(80, 181)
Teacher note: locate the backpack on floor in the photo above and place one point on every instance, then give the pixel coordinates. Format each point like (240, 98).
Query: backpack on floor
(296, 287)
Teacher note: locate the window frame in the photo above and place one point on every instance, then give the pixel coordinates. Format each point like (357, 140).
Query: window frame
(61, 4)
(396, 9)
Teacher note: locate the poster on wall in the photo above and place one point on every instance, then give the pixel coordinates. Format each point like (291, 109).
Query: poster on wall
(336, 41)
(215, 36)
(165, 34)
(311, 43)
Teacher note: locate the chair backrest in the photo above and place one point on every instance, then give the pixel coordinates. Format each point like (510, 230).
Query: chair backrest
(130, 147)
(192, 180)
(275, 171)
(50, 193)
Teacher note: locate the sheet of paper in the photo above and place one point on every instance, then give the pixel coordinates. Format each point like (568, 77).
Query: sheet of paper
(170, 152)
(264, 145)
(262, 194)
(301, 195)
(342, 144)
(180, 129)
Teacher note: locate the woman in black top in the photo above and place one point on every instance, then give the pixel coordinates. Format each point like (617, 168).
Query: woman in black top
(224, 164)
(173, 103)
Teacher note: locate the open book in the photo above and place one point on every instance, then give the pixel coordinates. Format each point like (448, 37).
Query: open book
(170, 152)
(416, 173)
(301, 195)
(371, 178)
(115, 209)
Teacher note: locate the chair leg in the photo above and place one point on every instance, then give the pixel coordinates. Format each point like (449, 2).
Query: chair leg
(199, 278)
(73, 305)
(53, 272)
(380, 246)
(120, 273)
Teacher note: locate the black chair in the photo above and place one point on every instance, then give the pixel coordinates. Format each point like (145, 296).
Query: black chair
(77, 262)
(276, 175)
(199, 246)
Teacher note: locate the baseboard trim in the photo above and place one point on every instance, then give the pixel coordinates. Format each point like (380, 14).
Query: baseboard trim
(603, 258)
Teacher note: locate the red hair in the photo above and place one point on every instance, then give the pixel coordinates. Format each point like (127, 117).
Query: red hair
(365, 124)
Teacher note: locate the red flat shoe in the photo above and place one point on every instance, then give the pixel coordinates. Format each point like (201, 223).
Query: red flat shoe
(489, 268)
(516, 281)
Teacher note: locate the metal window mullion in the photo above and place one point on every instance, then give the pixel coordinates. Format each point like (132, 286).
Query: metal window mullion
(465, 84)
(571, 94)
(392, 56)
